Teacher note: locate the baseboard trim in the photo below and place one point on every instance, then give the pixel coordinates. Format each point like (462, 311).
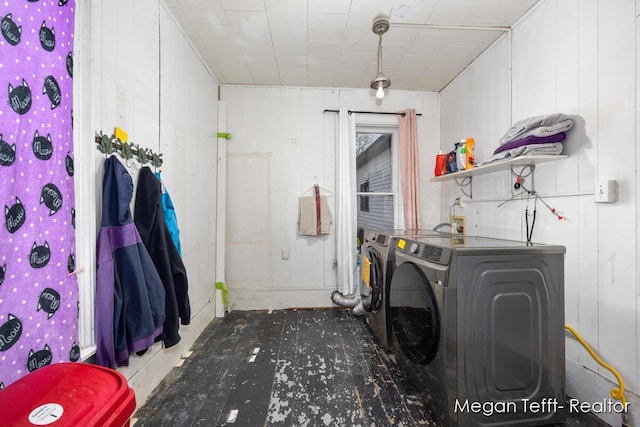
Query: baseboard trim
(587, 386)
(151, 372)
(278, 299)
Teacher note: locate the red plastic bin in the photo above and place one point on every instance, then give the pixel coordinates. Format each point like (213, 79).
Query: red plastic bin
(68, 394)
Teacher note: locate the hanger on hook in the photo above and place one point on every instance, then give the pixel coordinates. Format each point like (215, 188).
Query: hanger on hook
(326, 192)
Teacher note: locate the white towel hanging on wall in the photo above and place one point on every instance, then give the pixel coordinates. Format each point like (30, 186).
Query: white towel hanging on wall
(314, 215)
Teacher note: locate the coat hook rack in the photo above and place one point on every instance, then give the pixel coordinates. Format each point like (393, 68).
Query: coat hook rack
(127, 150)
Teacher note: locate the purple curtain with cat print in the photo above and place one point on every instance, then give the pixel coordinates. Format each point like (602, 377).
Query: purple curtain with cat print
(38, 293)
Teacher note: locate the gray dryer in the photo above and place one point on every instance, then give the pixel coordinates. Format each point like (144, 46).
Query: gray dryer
(478, 325)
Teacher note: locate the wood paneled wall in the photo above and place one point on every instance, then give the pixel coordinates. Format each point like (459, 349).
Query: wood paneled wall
(574, 57)
(136, 70)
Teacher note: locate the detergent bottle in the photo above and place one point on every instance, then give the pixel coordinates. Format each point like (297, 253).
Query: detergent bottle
(470, 158)
(441, 164)
(451, 163)
(461, 154)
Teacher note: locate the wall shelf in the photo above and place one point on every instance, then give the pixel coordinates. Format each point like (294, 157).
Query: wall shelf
(500, 165)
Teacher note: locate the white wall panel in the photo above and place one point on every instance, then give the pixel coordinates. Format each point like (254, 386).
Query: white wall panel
(288, 126)
(637, 183)
(120, 84)
(616, 134)
(188, 141)
(578, 58)
(582, 312)
(476, 106)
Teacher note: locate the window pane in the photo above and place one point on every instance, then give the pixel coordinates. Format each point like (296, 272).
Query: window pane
(380, 213)
(374, 176)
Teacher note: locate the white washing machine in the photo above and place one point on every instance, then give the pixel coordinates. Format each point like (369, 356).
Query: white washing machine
(376, 264)
(478, 326)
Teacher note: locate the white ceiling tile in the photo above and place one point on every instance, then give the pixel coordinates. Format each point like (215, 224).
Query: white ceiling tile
(330, 43)
(436, 77)
(404, 80)
(450, 12)
(455, 57)
(322, 82)
(291, 60)
(500, 14)
(289, 39)
(236, 74)
(322, 74)
(415, 63)
(265, 73)
(181, 18)
(283, 13)
(366, 39)
(248, 5)
(324, 27)
(249, 26)
(293, 76)
(219, 40)
(209, 12)
(354, 62)
(329, 6)
(392, 53)
(398, 35)
(213, 68)
(474, 38)
(324, 52)
(431, 42)
(415, 12)
(351, 78)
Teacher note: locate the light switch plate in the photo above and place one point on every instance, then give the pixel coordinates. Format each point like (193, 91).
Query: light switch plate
(605, 191)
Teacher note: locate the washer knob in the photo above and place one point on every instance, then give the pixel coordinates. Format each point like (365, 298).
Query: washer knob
(414, 248)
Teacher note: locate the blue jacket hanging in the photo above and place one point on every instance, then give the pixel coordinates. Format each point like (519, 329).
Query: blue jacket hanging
(130, 297)
(170, 216)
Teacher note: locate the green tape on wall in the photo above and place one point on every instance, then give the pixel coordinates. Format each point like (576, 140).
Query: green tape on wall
(224, 291)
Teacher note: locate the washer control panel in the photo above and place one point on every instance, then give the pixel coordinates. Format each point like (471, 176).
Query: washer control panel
(421, 250)
(380, 238)
(432, 253)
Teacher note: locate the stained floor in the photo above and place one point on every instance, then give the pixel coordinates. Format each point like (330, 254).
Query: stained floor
(289, 368)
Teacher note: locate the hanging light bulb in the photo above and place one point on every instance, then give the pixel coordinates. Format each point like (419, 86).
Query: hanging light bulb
(380, 91)
(381, 82)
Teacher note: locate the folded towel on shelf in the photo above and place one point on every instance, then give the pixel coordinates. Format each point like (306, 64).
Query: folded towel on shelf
(550, 148)
(545, 125)
(531, 140)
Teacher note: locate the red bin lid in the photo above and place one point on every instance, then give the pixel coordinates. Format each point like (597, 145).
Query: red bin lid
(68, 394)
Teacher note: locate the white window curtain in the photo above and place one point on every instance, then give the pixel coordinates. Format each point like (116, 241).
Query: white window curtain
(346, 203)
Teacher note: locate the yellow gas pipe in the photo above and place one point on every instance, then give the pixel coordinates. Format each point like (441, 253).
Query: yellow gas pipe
(616, 393)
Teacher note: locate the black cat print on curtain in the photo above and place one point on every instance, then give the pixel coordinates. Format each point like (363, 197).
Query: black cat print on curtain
(38, 293)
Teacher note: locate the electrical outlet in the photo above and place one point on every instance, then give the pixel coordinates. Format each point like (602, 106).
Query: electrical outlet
(605, 191)
(458, 223)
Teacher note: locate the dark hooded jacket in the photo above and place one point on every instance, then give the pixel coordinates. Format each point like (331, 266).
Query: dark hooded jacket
(149, 218)
(130, 297)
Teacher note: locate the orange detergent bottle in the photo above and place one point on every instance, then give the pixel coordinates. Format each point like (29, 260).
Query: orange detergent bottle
(471, 158)
(441, 164)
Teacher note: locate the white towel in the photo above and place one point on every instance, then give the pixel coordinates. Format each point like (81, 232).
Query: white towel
(549, 124)
(551, 148)
(308, 216)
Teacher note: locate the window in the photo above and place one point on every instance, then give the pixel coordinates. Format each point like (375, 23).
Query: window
(376, 178)
(364, 200)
